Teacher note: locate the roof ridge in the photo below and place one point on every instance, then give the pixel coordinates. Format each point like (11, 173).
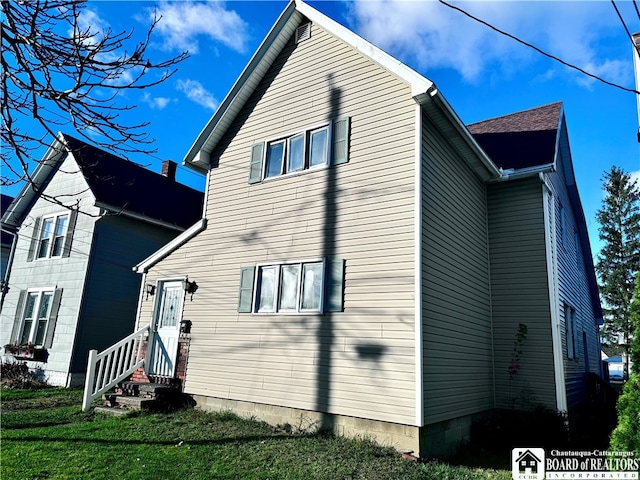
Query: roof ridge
(559, 102)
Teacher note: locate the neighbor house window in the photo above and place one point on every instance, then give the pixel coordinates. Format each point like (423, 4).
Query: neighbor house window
(52, 236)
(570, 330)
(303, 150)
(35, 317)
(308, 286)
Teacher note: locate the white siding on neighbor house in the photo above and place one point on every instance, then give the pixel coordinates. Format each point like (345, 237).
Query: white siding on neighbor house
(455, 284)
(520, 293)
(65, 273)
(359, 362)
(573, 288)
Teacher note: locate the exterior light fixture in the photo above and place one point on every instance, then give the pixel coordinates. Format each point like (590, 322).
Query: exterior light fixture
(189, 287)
(150, 289)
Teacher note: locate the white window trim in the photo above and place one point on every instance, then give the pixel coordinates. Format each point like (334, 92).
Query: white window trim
(307, 143)
(299, 310)
(34, 324)
(55, 217)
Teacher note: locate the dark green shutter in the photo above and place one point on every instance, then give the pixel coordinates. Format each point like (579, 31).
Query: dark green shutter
(334, 282)
(340, 136)
(53, 317)
(66, 249)
(35, 236)
(17, 322)
(245, 297)
(255, 168)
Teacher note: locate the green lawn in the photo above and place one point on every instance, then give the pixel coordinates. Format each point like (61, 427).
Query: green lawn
(46, 436)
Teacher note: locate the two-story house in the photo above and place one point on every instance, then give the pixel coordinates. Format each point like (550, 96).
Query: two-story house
(80, 226)
(362, 262)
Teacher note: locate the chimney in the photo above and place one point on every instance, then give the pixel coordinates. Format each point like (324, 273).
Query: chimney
(169, 169)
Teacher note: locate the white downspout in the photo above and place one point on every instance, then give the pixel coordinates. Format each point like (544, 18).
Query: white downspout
(419, 345)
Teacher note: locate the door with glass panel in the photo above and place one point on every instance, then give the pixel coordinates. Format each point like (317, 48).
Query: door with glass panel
(168, 313)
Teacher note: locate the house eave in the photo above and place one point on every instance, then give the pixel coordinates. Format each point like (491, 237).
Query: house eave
(198, 156)
(137, 216)
(24, 200)
(184, 237)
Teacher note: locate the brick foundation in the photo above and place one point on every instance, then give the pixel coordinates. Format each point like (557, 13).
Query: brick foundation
(181, 367)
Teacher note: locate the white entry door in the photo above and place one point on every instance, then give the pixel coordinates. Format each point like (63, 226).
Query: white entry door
(167, 329)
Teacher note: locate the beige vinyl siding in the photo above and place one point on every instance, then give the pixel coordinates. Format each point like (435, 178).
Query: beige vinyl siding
(455, 284)
(520, 293)
(359, 362)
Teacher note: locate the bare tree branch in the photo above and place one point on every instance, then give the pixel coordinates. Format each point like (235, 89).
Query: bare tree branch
(61, 74)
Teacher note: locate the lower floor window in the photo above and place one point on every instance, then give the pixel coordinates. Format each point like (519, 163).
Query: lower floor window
(36, 317)
(291, 287)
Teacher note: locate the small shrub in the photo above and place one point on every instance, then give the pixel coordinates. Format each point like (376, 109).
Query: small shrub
(17, 375)
(626, 436)
(506, 429)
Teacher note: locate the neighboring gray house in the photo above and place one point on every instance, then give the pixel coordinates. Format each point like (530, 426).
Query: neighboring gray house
(6, 237)
(89, 217)
(363, 263)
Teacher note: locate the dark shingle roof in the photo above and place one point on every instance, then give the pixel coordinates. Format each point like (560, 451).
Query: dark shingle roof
(522, 139)
(5, 201)
(125, 185)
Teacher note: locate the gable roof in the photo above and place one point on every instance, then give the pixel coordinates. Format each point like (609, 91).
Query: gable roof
(423, 90)
(521, 140)
(118, 185)
(121, 185)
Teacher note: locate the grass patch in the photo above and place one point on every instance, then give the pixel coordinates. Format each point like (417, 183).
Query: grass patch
(45, 435)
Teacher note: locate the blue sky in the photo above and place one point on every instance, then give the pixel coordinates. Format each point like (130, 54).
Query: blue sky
(481, 73)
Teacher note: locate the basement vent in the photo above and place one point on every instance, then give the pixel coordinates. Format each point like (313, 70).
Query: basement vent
(303, 32)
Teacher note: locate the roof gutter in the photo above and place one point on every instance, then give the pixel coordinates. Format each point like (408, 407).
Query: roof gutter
(513, 174)
(138, 216)
(184, 237)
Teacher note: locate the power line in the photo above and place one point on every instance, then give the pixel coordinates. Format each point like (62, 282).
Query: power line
(553, 57)
(635, 4)
(623, 23)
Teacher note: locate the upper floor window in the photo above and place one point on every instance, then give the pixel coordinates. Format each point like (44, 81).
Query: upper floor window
(311, 148)
(52, 235)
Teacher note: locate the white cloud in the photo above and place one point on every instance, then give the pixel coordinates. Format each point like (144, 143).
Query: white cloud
(430, 35)
(197, 93)
(635, 176)
(157, 103)
(183, 23)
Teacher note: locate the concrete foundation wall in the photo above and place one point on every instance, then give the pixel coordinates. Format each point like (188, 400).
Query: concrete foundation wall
(401, 437)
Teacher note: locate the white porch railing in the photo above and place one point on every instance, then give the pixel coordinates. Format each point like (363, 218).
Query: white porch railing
(107, 368)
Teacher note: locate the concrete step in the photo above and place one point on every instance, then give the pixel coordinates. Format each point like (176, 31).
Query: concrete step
(111, 411)
(127, 402)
